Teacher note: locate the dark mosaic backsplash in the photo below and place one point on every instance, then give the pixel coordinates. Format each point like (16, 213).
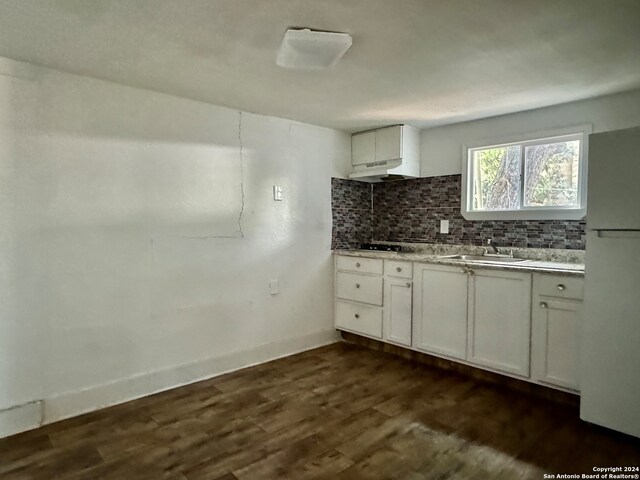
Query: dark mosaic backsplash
(351, 212)
(410, 211)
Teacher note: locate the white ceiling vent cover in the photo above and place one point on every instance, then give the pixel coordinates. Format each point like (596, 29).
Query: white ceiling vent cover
(310, 50)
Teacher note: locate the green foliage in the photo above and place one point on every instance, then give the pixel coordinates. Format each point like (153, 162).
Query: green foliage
(551, 172)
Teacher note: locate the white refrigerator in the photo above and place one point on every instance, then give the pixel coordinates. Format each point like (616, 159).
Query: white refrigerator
(610, 347)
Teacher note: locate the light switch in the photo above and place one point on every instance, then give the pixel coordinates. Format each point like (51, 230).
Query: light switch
(444, 226)
(277, 193)
(274, 287)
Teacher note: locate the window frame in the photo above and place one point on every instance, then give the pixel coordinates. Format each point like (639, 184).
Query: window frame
(580, 133)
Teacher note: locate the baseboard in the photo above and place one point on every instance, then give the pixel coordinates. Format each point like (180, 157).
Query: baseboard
(71, 404)
(20, 418)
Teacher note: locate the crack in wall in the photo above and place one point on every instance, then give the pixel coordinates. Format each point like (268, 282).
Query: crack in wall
(241, 175)
(241, 155)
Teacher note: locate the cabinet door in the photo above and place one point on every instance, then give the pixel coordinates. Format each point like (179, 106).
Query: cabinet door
(388, 143)
(397, 311)
(363, 148)
(440, 310)
(500, 320)
(555, 342)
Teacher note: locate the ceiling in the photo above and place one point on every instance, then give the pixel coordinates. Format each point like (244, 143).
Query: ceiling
(422, 62)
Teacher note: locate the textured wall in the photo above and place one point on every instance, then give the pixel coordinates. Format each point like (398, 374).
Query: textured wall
(139, 236)
(351, 210)
(410, 211)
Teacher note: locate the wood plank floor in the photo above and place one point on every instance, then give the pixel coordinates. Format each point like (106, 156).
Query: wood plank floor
(338, 412)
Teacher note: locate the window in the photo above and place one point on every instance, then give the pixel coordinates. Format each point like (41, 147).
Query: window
(535, 179)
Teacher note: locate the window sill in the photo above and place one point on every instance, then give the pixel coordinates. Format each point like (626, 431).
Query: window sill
(565, 214)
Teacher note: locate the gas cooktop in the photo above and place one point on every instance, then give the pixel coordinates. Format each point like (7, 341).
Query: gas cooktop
(381, 247)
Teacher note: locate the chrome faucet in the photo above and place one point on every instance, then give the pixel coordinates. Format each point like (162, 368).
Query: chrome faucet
(493, 245)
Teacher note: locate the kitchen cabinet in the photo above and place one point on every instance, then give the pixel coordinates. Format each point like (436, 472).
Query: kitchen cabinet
(500, 320)
(440, 310)
(359, 265)
(359, 288)
(397, 311)
(394, 150)
(517, 323)
(556, 313)
(359, 318)
(388, 143)
(359, 295)
(363, 148)
(379, 145)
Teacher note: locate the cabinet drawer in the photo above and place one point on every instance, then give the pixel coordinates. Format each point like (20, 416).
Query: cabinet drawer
(359, 318)
(359, 264)
(560, 286)
(394, 268)
(359, 288)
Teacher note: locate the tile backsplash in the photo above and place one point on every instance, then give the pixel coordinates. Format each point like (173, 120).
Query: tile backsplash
(351, 213)
(410, 211)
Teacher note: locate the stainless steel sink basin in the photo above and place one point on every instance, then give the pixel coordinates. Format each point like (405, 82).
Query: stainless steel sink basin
(486, 258)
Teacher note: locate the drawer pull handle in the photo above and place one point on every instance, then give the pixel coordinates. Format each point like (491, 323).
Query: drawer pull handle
(357, 315)
(543, 305)
(357, 285)
(398, 269)
(561, 287)
(408, 285)
(357, 265)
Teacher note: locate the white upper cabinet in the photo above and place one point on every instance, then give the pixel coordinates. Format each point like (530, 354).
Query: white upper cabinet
(393, 150)
(388, 143)
(363, 148)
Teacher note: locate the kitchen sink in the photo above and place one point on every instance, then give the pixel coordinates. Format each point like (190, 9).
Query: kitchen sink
(486, 258)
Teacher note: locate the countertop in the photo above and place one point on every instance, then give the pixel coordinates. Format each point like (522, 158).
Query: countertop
(531, 265)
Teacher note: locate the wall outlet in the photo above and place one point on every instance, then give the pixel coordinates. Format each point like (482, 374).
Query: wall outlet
(444, 226)
(274, 287)
(277, 193)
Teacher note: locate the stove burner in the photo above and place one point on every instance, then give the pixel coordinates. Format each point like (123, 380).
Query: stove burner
(381, 247)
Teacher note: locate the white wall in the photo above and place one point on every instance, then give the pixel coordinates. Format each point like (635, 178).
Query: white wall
(441, 149)
(136, 242)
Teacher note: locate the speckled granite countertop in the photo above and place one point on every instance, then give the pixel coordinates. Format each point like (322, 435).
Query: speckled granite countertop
(563, 262)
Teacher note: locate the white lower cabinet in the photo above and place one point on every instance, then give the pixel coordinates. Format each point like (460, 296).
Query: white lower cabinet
(440, 310)
(359, 318)
(556, 312)
(359, 288)
(522, 324)
(397, 311)
(500, 320)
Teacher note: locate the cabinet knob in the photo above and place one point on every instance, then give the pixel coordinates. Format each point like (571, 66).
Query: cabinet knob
(357, 265)
(408, 285)
(470, 272)
(398, 269)
(357, 315)
(543, 305)
(357, 285)
(561, 287)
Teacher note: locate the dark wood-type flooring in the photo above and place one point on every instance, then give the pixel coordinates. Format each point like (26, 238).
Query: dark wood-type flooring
(337, 412)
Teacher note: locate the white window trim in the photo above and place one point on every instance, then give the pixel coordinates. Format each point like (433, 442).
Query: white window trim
(529, 213)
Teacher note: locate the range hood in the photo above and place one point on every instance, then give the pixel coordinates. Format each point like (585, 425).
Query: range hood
(380, 172)
(389, 153)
